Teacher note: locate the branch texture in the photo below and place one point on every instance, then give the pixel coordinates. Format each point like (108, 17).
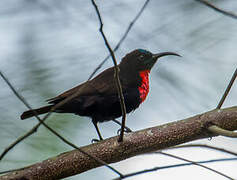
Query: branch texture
(135, 143)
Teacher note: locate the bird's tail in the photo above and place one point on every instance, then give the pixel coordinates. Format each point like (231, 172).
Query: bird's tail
(30, 113)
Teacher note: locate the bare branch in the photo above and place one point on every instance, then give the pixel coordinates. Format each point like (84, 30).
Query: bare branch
(35, 128)
(139, 142)
(174, 166)
(195, 163)
(116, 73)
(230, 14)
(19, 139)
(204, 146)
(51, 130)
(122, 39)
(227, 90)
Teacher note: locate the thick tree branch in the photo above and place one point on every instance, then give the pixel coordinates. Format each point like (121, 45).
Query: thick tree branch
(139, 142)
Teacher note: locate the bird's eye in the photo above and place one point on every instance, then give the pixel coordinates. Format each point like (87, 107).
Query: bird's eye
(141, 57)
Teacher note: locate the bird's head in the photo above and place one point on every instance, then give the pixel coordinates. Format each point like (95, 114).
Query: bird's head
(141, 59)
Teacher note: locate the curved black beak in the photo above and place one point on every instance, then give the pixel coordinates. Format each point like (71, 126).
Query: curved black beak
(158, 55)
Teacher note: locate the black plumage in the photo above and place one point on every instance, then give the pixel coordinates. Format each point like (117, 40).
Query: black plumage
(99, 97)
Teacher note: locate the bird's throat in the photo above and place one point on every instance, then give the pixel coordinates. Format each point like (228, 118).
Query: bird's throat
(144, 87)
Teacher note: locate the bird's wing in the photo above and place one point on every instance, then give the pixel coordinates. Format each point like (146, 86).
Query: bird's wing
(69, 92)
(103, 84)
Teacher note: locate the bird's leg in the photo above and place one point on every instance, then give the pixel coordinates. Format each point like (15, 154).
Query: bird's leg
(127, 130)
(98, 132)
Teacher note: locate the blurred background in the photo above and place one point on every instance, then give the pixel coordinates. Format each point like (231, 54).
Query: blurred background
(48, 46)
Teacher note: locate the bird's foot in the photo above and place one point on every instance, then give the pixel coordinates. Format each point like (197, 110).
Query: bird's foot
(96, 140)
(126, 130)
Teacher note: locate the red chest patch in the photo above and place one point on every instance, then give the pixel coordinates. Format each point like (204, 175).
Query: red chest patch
(144, 87)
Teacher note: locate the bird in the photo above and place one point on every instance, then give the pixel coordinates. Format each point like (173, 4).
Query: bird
(99, 98)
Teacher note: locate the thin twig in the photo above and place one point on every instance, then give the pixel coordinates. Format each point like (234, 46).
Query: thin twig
(19, 139)
(203, 146)
(116, 73)
(53, 131)
(175, 166)
(227, 89)
(35, 128)
(223, 132)
(122, 39)
(230, 14)
(195, 163)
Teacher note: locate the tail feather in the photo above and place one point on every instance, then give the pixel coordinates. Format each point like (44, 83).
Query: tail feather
(30, 113)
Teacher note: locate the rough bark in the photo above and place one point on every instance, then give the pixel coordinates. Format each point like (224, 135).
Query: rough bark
(139, 142)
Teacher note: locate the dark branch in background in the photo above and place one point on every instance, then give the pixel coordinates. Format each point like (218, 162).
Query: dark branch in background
(135, 143)
(204, 146)
(194, 163)
(35, 128)
(21, 138)
(122, 39)
(198, 163)
(116, 73)
(175, 166)
(227, 90)
(53, 131)
(230, 14)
